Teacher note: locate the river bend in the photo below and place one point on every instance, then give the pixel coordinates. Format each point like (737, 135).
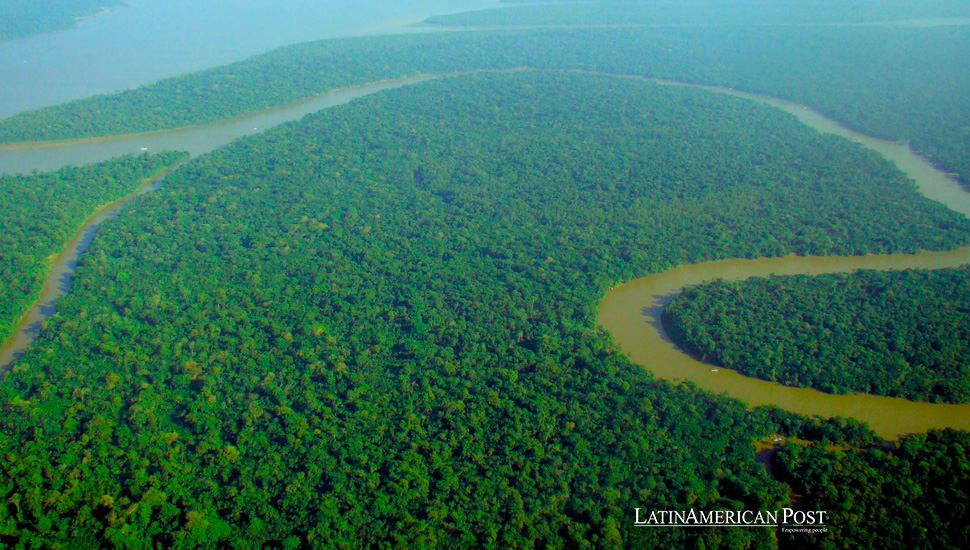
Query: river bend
(631, 311)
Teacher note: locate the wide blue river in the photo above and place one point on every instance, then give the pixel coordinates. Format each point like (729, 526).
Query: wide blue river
(154, 39)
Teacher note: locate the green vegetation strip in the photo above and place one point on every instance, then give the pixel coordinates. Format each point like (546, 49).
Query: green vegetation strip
(707, 12)
(896, 333)
(376, 326)
(39, 213)
(892, 83)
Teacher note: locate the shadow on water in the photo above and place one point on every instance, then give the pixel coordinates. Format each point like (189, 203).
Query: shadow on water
(653, 314)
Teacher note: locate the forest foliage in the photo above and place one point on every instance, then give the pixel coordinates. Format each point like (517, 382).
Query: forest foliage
(897, 333)
(375, 327)
(19, 18)
(41, 212)
(912, 496)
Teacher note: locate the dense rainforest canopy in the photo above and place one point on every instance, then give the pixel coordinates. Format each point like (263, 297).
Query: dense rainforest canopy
(39, 213)
(375, 327)
(20, 18)
(897, 333)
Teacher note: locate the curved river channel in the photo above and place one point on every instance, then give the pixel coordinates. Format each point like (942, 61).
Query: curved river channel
(631, 312)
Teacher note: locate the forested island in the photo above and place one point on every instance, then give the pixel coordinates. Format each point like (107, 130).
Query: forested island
(376, 327)
(19, 18)
(39, 213)
(377, 324)
(897, 333)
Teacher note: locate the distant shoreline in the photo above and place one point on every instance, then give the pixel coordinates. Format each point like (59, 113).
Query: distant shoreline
(69, 22)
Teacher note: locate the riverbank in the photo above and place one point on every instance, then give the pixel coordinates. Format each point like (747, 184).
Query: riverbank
(631, 311)
(61, 270)
(24, 157)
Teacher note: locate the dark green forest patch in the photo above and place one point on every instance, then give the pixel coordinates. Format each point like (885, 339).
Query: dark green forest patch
(925, 479)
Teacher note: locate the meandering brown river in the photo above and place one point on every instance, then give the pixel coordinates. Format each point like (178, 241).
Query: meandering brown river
(631, 312)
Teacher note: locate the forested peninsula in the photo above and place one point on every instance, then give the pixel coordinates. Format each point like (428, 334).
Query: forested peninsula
(40, 212)
(893, 83)
(896, 333)
(708, 12)
(19, 18)
(375, 327)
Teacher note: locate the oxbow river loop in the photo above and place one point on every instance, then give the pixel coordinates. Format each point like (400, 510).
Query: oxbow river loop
(631, 312)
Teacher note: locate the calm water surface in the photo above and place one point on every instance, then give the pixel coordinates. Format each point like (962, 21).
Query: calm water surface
(154, 39)
(197, 140)
(631, 311)
(60, 278)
